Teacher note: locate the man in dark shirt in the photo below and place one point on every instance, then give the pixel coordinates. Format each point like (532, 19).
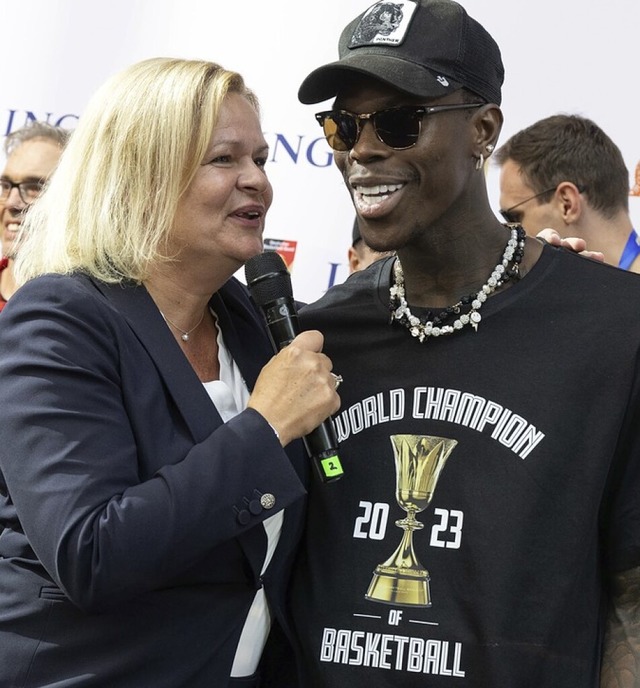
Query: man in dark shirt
(486, 533)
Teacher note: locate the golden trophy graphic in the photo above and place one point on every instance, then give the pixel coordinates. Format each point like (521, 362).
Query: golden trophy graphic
(419, 459)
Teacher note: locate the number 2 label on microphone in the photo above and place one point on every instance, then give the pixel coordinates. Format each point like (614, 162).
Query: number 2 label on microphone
(332, 467)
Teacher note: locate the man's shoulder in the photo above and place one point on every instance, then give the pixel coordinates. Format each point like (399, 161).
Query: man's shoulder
(586, 292)
(359, 288)
(594, 274)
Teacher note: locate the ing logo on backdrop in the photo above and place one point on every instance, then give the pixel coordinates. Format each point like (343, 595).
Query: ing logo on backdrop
(16, 119)
(296, 149)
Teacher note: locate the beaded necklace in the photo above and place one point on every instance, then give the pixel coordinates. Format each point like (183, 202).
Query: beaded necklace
(431, 325)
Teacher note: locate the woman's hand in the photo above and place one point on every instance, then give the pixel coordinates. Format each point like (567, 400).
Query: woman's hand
(296, 392)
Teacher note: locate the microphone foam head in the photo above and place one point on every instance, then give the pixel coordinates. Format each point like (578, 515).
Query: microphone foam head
(268, 278)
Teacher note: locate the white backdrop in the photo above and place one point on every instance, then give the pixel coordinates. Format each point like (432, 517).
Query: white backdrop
(576, 56)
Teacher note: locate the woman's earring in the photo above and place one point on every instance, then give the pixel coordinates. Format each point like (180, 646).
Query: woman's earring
(490, 148)
(480, 162)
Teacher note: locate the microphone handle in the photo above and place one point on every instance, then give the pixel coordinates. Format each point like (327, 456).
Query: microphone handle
(321, 443)
(326, 461)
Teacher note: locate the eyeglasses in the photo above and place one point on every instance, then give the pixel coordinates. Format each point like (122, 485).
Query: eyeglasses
(28, 191)
(515, 218)
(398, 127)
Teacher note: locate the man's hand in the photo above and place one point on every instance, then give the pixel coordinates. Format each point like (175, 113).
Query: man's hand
(574, 244)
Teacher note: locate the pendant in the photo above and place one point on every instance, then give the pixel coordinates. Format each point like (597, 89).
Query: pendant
(185, 337)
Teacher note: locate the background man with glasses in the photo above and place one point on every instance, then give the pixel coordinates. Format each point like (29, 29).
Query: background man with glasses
(564, 172)
(32, 154)
(486, 533)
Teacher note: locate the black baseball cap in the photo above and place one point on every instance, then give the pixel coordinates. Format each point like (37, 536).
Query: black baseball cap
(426, 48)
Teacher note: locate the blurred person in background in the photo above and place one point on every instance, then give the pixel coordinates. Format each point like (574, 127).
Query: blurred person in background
(564, 172)
(32, 154)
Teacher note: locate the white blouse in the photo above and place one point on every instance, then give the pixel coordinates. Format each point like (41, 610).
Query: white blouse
(229, 395)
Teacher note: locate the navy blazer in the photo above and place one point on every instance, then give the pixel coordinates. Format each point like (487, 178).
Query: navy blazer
(133, 540)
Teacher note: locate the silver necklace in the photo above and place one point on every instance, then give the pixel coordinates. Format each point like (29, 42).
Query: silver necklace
(435, 326)
(184, 334)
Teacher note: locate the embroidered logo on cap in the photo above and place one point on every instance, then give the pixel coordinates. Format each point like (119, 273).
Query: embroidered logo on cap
(385, 22)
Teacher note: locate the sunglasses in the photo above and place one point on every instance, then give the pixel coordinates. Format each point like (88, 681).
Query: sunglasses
(398, 127)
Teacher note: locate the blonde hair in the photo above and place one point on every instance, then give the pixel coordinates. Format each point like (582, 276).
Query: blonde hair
(109, 206)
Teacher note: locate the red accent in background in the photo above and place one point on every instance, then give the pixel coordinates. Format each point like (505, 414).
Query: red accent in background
(284, 247)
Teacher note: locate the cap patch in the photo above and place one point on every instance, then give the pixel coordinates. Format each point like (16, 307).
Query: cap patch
(383, 23)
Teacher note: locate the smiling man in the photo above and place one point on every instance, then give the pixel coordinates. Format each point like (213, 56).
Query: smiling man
(486, 533)
(32, 154)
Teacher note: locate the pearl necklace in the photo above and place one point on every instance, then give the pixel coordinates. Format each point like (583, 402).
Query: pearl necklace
(430, 326)
(184, 334)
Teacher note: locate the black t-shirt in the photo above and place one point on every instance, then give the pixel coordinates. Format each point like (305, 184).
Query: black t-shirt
(534, 503)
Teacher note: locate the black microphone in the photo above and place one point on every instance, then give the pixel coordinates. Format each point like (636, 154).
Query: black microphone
(269, 283)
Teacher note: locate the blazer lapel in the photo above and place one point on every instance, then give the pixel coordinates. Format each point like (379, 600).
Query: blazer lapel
(146, 321)
(244, 330)
(249, 346)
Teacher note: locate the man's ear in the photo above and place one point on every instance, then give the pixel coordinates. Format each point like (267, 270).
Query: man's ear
(354, 259)
(569, 201)
(488, 123)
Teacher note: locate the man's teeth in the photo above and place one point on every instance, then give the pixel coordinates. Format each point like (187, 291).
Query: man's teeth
(375, 194)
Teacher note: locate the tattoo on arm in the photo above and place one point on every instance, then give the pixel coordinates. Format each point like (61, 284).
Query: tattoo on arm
(621, 651)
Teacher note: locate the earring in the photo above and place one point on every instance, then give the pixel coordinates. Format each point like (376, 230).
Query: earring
(490, 148)
(480, 162)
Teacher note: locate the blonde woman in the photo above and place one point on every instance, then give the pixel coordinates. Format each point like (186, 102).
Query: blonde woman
(150, 508)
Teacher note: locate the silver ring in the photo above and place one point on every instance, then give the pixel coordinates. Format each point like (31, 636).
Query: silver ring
(337, 379)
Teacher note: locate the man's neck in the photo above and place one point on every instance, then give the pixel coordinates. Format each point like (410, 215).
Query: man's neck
(609, 236)
(456, 264)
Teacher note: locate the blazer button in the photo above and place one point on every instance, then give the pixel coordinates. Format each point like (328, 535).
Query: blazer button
(254, 507)
(243, 517)
(268, 501)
